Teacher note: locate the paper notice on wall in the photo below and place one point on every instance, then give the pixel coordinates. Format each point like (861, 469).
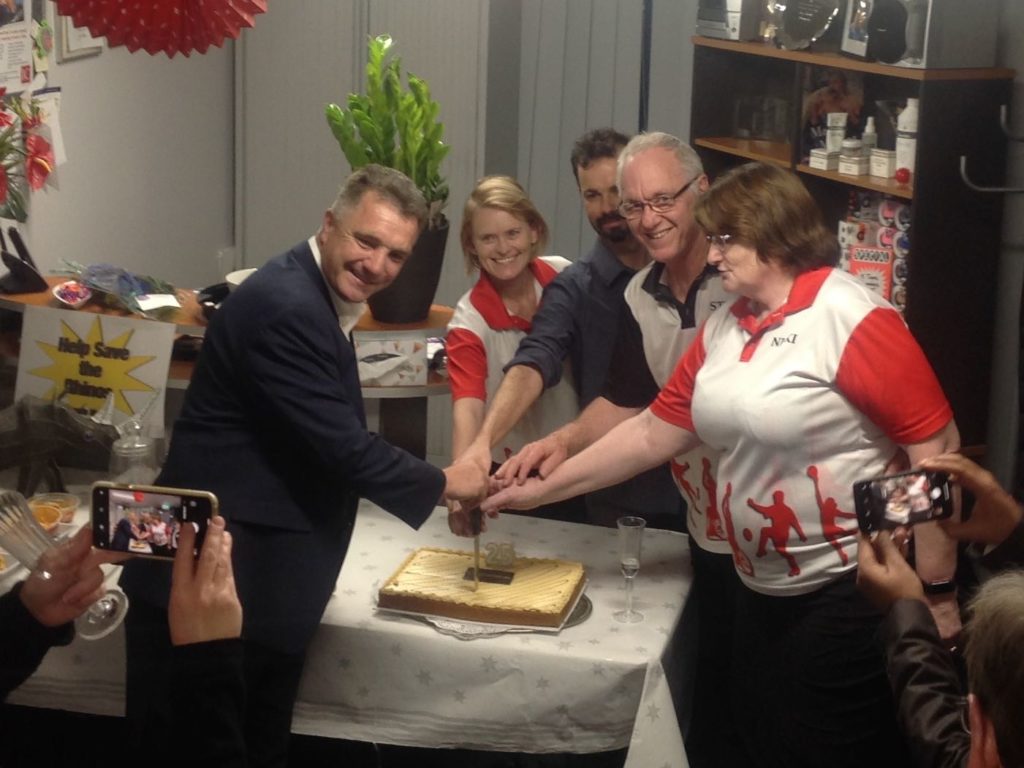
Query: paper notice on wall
(83, 357)
(16, 44)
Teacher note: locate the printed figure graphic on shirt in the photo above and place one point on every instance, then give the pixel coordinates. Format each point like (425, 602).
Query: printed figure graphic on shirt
(679, 473)
(782, 518)
(830, 512)
(714, 525)
(739, 557)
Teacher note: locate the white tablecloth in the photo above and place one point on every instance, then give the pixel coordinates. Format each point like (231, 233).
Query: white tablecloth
(373, 676)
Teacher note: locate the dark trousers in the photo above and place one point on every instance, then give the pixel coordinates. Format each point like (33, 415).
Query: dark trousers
(271, 679)
(712, 733)
(809, 681)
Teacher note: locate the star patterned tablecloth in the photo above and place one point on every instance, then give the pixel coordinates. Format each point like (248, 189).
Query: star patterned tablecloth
(387, 678)
(376, 676)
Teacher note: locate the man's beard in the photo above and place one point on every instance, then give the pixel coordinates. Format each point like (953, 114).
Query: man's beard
(613, 234)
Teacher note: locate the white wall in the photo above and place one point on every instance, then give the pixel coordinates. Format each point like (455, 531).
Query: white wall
(148, 184)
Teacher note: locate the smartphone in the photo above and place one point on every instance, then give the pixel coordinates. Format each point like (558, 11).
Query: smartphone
(887, 502)
(146, 520)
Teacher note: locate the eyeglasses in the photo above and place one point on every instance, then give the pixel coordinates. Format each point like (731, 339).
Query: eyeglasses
(718, 241)
(634, 209)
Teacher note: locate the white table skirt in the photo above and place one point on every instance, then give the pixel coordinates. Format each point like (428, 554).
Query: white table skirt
(373, 676)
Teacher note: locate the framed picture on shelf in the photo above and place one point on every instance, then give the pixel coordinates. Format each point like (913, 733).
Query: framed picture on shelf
(855, 30)
(75, 42)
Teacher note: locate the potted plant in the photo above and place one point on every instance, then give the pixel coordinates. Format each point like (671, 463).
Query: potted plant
(398, 127)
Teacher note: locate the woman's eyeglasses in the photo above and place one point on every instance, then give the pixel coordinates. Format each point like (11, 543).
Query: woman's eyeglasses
(718, 241)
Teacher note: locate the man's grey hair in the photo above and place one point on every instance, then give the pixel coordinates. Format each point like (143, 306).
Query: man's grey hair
(995, 659)
(392, 186)
(688, 159)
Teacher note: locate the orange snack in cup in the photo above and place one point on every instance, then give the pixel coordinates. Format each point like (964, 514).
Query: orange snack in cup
(48, 515)
(66, 503)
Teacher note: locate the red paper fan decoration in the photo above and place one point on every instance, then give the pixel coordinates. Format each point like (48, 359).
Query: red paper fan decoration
(168, 26)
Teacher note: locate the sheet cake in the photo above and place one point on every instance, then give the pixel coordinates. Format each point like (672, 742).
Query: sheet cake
(431, 581)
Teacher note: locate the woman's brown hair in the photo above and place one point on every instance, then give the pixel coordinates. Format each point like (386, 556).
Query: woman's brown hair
(770, 210)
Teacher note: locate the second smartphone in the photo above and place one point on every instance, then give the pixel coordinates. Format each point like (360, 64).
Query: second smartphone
(888, 502)
(146, 520)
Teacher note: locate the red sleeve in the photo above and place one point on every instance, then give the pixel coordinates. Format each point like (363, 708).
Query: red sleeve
(673, 402)
(885, 374)
(467, 364)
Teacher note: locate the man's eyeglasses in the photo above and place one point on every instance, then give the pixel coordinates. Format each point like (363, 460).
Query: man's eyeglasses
(634, 209)
(718, 241)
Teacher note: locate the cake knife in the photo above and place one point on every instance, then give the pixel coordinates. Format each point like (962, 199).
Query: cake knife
(476, 521)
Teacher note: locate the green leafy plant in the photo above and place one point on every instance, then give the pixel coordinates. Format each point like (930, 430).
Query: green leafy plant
(394, 126)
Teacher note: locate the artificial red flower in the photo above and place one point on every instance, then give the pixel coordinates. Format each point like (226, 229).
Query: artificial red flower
(39, 162)
(3, 185)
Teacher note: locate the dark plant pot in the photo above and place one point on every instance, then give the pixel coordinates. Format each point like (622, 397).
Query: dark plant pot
(408, 299)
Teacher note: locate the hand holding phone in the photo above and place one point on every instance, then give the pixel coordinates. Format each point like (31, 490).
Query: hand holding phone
(147, 520)
(906, 498)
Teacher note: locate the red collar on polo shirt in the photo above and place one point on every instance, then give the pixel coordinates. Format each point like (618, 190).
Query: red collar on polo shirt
(487, 301)
(801, 296)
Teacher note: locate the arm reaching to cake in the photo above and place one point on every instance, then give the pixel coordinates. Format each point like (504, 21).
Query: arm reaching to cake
(635, 445)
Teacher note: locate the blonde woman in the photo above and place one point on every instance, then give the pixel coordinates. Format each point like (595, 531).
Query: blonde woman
(502, 236)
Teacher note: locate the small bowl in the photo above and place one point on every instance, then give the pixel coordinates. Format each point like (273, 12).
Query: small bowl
(66, 503)
(47, 515)
(72, 293)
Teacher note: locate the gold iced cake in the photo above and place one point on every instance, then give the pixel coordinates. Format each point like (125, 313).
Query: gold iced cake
(539, 592)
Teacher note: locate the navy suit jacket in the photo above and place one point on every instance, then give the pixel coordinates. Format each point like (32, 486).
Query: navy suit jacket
(273, 424)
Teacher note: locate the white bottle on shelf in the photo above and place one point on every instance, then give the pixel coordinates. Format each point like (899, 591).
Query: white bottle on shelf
(869, 139)
(906, 136)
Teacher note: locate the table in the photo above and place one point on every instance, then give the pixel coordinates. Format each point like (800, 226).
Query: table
(403, 409)
(188, 319)
(392, 679)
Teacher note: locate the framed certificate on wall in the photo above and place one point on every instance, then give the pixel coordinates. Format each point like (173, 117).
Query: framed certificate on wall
(75, 42)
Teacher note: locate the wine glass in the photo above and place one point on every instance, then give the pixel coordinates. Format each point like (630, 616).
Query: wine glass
(23, 537)
(631, 533)
(103, 616)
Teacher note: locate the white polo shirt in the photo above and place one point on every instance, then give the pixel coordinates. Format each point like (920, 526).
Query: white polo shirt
(665, 328)
(483, 337)
(803, 404)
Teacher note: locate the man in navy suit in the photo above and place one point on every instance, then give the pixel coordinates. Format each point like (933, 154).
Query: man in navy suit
(273, 424)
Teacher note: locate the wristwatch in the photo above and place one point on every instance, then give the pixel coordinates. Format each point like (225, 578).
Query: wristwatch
(943, 587)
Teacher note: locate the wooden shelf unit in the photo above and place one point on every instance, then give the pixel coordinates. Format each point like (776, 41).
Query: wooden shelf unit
(955, 232)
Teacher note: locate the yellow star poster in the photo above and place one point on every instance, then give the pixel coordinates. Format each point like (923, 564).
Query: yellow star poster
(83, 357)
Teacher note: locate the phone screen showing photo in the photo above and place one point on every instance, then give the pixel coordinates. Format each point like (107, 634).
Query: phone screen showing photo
(885, 503)
(145, 522)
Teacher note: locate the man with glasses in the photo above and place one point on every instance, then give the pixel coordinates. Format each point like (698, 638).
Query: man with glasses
(660, 177)
(577, 322)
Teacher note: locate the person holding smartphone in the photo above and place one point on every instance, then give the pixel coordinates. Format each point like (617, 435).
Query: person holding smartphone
(806, 382)
(205, 621)
(924, 678)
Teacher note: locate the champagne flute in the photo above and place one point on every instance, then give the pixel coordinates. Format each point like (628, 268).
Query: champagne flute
(631, 532)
